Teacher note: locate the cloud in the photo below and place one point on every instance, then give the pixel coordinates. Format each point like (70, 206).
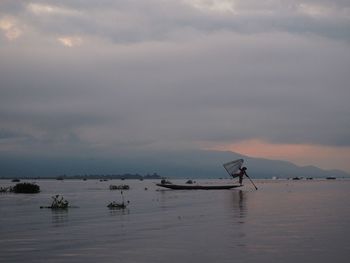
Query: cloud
(156, 20)
(45, 9)
(218, 88)
(220, 6)
(323, 10)
(152, 75)
(70, 41)
(10, 28)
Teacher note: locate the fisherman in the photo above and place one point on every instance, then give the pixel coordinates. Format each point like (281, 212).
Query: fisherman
(240, 174)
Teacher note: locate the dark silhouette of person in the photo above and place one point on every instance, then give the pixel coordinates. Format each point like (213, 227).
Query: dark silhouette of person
(240, 174)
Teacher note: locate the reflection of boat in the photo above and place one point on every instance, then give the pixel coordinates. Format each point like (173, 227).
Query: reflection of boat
(198, 187)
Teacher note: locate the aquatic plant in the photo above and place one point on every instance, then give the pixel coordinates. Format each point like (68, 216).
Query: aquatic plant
(7, 189)
(27, 188)
(116, 205)
(58, 202)
(119, 187)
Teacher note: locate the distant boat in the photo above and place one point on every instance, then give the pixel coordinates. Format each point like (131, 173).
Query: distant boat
(198, 187)
(296, 178)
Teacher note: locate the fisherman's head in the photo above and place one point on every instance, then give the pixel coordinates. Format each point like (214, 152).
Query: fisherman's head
(244, 168)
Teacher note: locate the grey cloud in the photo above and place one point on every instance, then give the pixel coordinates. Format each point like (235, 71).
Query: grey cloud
(204, 84)
(139, 21)
(221, 95)
(7, 134)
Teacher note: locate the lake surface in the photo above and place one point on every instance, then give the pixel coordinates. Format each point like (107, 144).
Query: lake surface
(284, 221)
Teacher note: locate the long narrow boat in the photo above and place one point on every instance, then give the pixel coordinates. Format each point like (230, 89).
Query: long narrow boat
(197, 187)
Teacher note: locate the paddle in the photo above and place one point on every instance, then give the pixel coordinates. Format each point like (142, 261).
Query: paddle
(256, 188)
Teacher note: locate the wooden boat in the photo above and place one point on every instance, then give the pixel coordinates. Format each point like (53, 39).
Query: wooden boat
(198, 187)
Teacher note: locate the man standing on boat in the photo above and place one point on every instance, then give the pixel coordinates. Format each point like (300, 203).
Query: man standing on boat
(235, 169)
(240, 174)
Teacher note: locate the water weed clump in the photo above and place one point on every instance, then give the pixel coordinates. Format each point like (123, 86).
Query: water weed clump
(119, 187)
(58, 202)
(6, 189)
(116, 205)
(26, 188)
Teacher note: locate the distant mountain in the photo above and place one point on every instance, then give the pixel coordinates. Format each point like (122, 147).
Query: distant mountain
(269, 168)
(171, 164)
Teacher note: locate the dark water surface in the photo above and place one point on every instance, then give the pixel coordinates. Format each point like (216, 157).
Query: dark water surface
(284, 221)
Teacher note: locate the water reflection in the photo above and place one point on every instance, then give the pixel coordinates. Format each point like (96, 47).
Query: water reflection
(118, 211)
(239, 204)
(59, 217)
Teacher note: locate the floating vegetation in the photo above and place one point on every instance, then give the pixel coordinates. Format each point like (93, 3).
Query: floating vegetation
(58, 202)
(115, 205)
(21, 188)
(26, 188)
(7, 189)
(118, 205)
(119, 187)
(16, 180)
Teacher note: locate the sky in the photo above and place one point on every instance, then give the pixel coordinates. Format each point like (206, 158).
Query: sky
(100, 77)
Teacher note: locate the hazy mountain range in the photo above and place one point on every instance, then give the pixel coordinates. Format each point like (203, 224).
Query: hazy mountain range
(180, 164)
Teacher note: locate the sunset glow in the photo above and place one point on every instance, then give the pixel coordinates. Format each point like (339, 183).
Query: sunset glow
(301, 154)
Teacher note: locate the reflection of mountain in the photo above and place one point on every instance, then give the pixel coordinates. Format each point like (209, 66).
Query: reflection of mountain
(181, 164)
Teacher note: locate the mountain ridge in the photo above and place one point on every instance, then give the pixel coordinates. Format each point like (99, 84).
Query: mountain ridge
(172, 164)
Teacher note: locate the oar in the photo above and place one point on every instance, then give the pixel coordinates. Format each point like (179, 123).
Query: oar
(256, 188)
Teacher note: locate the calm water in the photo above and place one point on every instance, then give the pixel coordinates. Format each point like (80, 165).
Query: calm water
(284, 221)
